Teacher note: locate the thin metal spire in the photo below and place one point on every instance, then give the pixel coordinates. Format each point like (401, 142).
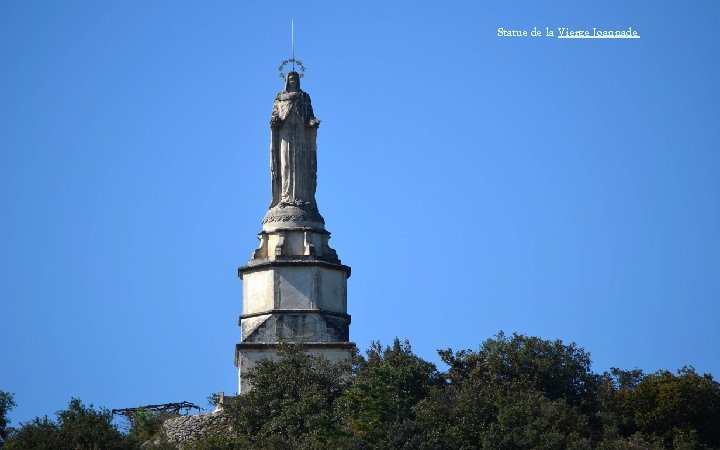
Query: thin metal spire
(292, 41)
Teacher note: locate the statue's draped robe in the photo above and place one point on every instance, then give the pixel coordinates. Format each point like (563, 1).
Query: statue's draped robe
(293, 151)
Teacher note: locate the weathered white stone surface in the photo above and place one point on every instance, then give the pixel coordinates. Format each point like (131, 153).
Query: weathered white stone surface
(299, 242)
(184, 429)
(258, 291)
(295, 287)
(250, 324)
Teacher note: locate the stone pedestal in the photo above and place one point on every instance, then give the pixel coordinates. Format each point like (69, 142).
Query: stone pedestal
(294, 290)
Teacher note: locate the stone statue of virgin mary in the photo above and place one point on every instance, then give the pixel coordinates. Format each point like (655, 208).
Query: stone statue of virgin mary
(293, 151)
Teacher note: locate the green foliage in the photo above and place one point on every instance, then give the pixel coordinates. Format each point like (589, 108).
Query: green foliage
(683, 410)
(528, 419)
(7, 403)
(146, 426)
(40, 434)
(301, 401)
(556, 370)
(637, 441)
(79, 427)
(456, 415)
(379, 403)
(516, 392)
(291, 403)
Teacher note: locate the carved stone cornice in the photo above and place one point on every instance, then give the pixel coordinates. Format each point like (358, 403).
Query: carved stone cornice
(260, 264)
(296, 311)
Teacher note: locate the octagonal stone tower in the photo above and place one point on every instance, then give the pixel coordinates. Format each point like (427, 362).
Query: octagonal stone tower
(294, 286)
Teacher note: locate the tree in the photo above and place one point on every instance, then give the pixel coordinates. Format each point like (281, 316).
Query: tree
(683, 410)
(378, 405)
(517, 392)
(40, 434)
(555, 369)
(290, 404)
(528, 419)
(512, 393)
(499, 415)
(79, 427)
(7, 403)
(146, 426)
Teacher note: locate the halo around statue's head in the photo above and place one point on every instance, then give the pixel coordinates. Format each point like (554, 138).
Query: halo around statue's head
(294, 62)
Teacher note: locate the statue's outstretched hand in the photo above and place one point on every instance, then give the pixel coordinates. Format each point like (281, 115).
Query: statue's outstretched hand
(313, 123)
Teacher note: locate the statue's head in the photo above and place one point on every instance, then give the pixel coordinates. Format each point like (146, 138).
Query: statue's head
(292, 82)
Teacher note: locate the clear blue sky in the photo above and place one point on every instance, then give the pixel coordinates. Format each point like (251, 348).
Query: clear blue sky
(561, 188)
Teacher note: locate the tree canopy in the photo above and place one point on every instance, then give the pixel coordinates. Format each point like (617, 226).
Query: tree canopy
(7, 403)
(513, 392)
(78, 427)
